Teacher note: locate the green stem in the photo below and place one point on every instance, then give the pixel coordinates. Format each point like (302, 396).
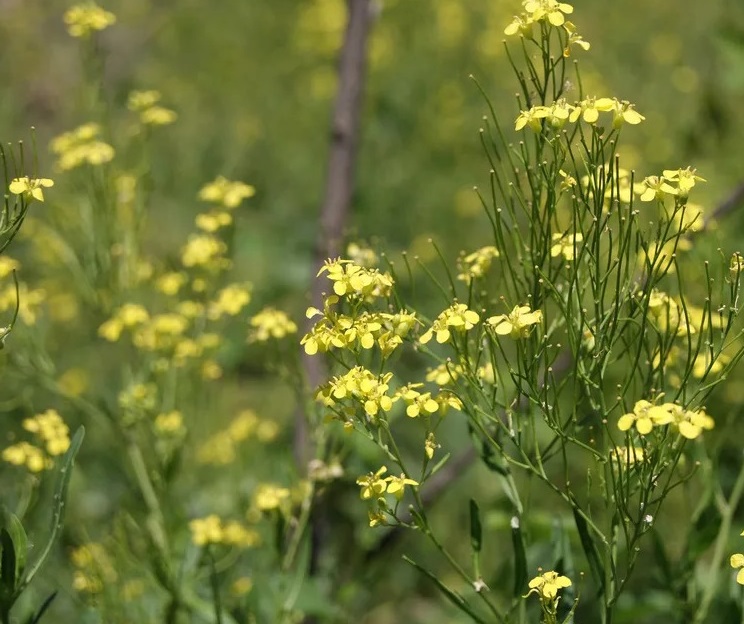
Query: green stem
(727, 516)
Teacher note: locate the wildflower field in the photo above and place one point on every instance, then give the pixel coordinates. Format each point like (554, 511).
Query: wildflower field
(376, 311)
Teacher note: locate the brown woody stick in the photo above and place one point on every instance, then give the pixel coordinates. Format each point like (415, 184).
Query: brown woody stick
(339, 183)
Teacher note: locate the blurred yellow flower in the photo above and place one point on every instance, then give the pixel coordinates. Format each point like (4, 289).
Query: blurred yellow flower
(270, 323)
(82, 19)
(223, 191)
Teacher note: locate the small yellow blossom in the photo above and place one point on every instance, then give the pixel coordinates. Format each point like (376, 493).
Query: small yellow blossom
(80, 146)
(627, 456)
(531, 118)
(373, 485)
(230, 301)
(241, 586)
(269, 496)
(350, 279)
(171, 283)
(270, 323)
(169, 422)
(28, 455)
(590, 108)
(223, 191)
(396, 485)
(7, 266)
(457, 317)
(517, 324)
(477, 263)
(205, 531)
(213, 221)
(361, 255)
(30, 188)
(574, 38)
(546, 585)
(85, 18)
(444, 373)
(565, 245)
(684, 178)
(204, 250)
(644, 415)
(736, 265)
(51, 430)
(654, 187)
(430, 446)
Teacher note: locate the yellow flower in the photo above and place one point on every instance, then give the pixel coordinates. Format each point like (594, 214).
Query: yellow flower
(170, 283)
(477, 263)
(142, 100)
(685, 179)
(430, 445)
(230, 301)
(83, 19)
(691, 423)
(396, 485)
(30, 188)
(158, 116)
(736, 265)
(223, 191)
(590, 108)
(574, 38)
(270, 323)
(206, 531)
(7, 266)
(241, 586)
(205, 251)
(654, 187)
(81, 146)
(457, 317)
(546, 585)
(51, 430)
(213, 221)
(517, 323)
(531, 118)
(552, 10)
(269, 496)
(444, 373)
(169, 422)
(737, 561)
(627, 455)
(373, 485)
(28, 455)
(565, 245)
(640, 417)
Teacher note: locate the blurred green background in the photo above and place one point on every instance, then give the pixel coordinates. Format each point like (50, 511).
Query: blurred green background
(253, 83)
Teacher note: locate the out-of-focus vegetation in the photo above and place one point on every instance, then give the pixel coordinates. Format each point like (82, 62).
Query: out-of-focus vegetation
(252, 84)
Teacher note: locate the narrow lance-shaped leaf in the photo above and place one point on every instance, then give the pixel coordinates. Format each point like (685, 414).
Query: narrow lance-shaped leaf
(520, 556)
(60, 499)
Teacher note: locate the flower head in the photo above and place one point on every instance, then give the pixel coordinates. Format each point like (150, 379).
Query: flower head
(30, 188)
(517, 324)
(457, 316)
(546, 585)
(83, 19)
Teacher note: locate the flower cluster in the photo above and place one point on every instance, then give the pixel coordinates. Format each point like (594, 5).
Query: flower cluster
(213, 530)
(358, 387)
(145, 103)
(476, 264)
(269, 497)
(557, 114)
(30, 188)
(673, 182)
(565, 245)
(93, 568)
(53, 439)
(81, 146)
(222, 447)
(226, 192)
(205, 251)
(269, 324)
(83, 19)
(352, 280)
(457, 317)
(550, 11)
(646, 416)
(517, 324)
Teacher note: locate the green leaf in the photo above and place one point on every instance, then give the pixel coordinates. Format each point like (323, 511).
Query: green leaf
(520, 556)
(14, 549)
(36, 617)
(60, 500)
(590, 549)
(455, 598)
(476, 529)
